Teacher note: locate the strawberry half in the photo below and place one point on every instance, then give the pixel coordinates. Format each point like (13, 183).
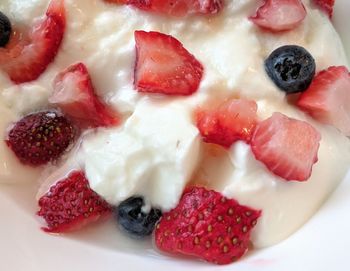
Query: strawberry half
(208, 226)
(279, 15)
(231, 121)
(41, 137)
(164, 66)
(286, 146)
(326, 6)
(328, 98)
(71, 204)
(74, 94)
(177, 8)
(27, 56)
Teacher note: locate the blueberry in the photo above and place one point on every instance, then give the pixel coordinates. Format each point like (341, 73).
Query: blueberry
(291, 68)
(5, 29)
(134, 220)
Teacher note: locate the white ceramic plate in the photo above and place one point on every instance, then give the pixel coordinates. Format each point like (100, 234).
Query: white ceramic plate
(322, 244)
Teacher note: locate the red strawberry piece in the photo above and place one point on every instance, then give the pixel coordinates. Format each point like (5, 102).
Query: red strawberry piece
(326, 6)
(71, 204)
(286, 146)
(279, 15)
(176, 8)
(328, 98)
(40, 137)
(208, 226)
(164, 66)
(27, 56)
(231, 121)
(74, 94)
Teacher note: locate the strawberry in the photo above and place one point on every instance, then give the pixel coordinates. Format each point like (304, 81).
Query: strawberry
(40, 137)
(231, 121)
(286, 146)
(27, 56)
(279, 15)
(177, 8)
(164, 66)
(208, 226)
(71, 204)
(74, 94)
(326, 6)
(328, 98)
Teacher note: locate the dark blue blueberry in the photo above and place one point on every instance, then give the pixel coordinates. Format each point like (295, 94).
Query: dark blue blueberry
(132, 219)
(5, 29)
(291, 68)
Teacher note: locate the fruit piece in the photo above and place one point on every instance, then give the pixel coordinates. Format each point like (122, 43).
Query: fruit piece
(40, 137)
(164, 66)
(279, 15)
(208, 226)
(71, 204)
(74, 94)
(326, 6)
(5, 29)
(27, 56)
(328, 98)
(231, 121)
(291, 68)
(177, 8)
(286, 146)
(133, 219)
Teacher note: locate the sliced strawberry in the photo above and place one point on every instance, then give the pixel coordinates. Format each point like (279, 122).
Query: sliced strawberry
(27, 56)
(286, 146)
(41, 137)
(326, 6)
(176, 8)
(231, 121)
(74, 94)
(279, 15)
(328, 98)
(164, 66)
(71, 204)
(208, 226)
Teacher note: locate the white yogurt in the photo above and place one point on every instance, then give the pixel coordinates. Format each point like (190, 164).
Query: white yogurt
(156, 151)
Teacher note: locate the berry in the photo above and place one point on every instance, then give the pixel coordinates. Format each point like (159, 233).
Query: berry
(164, 66)
(40, 137)
(74, 94)
(291, 68)
(208, 226)
(134, 220)
(231, 121)
(71, 204)
(5, 29)
(326, 6)
(279, 15)
(286, 146)
(328, 98)
(177, 8)
(27, 56)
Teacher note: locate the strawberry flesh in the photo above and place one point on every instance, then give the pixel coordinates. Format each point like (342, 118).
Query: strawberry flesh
(41, 137)
(279, 15)
(71, 204)
(231, 121)
(286, 146)
(326, 6)
(208, 226)
(27, 56)
(164, 66)
(74, 94)
(328, 98)
(177, 8)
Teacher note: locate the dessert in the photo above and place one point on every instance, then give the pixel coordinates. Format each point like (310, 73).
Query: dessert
(217, 118)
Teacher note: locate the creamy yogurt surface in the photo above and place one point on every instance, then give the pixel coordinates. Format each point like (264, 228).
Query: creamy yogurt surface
(157, 150)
